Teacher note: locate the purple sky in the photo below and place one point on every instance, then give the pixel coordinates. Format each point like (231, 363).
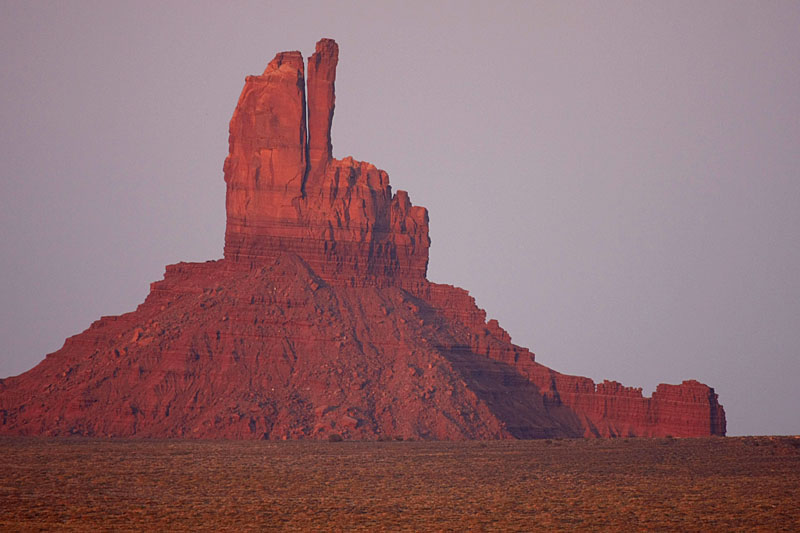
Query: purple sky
(617, 183)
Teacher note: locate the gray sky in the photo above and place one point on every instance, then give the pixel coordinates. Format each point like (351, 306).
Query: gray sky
(617, 183)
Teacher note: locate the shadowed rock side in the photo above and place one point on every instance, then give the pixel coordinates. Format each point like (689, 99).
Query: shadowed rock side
(319, 319)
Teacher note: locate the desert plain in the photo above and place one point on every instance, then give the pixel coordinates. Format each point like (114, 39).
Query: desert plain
(699, 484)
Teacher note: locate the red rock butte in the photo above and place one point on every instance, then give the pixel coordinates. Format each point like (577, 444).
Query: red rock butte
(319, 319)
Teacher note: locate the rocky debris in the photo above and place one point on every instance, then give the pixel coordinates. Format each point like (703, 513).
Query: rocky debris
(319, 320)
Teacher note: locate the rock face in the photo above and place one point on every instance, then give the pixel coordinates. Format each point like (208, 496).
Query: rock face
(319, 319)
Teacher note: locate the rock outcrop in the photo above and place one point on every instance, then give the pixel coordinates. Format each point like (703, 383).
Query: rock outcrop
(319, 319)
(286, 193)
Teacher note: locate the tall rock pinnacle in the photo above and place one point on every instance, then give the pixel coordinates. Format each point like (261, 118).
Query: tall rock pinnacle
(287, 194)
(321, 100)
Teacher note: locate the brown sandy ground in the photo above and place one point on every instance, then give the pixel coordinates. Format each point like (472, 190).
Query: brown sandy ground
(714, 484)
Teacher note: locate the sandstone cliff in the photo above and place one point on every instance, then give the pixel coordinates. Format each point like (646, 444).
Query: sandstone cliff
(319, 319)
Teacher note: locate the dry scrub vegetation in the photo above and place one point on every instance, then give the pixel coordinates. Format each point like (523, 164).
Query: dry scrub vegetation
(716, 484)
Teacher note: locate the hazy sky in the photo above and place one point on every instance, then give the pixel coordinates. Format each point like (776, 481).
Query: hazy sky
(617, 183)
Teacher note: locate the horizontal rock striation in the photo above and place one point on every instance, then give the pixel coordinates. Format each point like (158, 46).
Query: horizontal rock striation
(319, 319)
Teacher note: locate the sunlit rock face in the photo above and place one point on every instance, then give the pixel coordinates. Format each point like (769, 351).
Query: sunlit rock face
(286, 193)
(320, 319)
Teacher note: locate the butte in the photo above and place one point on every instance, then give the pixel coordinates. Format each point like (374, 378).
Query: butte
(319, 319)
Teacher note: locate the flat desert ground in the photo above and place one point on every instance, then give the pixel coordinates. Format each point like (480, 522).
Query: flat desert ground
(714, 484)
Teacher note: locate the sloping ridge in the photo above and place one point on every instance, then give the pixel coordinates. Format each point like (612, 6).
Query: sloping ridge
(319, 319)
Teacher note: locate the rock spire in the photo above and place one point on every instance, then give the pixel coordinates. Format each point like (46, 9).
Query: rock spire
(286, 193)
(321, 100)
